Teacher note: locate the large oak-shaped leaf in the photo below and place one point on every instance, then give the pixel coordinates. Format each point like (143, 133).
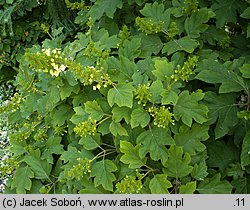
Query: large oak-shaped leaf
(122, 95)
(22, 179)
(131, 155)
(190, 139)
(159, 184)
(215, 185)
(153, 142)
(222, 111)
(103, 173)
(212, 71)
(188, 108)
(177, 165)
(104, 6)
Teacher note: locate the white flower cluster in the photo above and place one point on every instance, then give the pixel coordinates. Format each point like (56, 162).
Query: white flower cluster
(56, 57)
(57, 69)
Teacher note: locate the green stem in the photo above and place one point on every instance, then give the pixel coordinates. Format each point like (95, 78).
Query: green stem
(109, 116)
(108, 145)
(103, 153)
(146, 174)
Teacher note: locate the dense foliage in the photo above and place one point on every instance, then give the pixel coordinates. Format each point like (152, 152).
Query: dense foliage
(135, 96)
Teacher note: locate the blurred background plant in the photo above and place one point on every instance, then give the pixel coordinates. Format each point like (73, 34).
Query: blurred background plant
(6, 170)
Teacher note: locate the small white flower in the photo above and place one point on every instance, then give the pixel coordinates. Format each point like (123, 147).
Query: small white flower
(47, 52)
(98, 86)
(55, 66)
(54, 73)
(62, 67)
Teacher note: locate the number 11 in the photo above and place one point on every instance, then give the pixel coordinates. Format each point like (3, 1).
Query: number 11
(240, 202)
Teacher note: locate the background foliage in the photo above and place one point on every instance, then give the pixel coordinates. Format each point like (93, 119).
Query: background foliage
(132, 96)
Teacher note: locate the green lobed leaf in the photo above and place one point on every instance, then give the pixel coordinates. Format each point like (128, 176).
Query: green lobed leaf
(231, 7)
(150, 44)
(194, 25)
(102, 171)
(140, 117)
(87, 95)
(124, 170)
(104, 41)
(245, 152)
(61, 114)
(94, 110)
(52, 98)
(214, 72)
(213, 35)
(131, 155)
(128, 67)
(188, 108)
(221, 154)
(188, 188)
(31, 103)
(245, 70)
(122, 95)
(163, 69)
(190, 139)
(103, 128)
(246, 13)
(18, 149)
(89, 187)
(131, 49)
(37, 187)
(120, 113)
(53, 146)
(235, 170)
(153, 141)
(117, 129)
(104, 6)
(215, 185)
(199, 171)
(159, 184)
(41, 168)
(66, 90)
(79, 115)
(90, 142)
(71, 154)
(157, 13)
(121, 70)
(183, 44)
(242, 185)
(156, 89)
(22, 179)
(223, 111)
(169, 97)
(177, 164)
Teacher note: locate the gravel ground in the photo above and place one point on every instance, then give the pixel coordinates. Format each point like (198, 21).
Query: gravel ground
(6, 91)
(4, 153)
